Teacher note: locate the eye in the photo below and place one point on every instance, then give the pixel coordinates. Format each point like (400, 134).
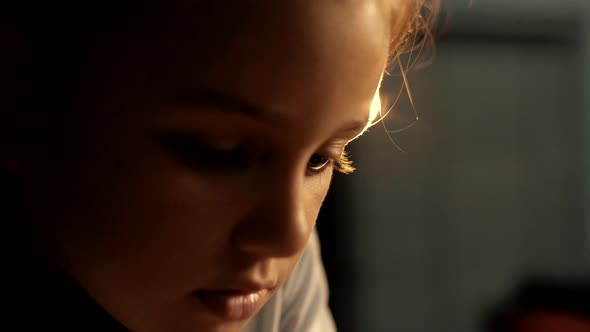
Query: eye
(318, 163)
(199, 154)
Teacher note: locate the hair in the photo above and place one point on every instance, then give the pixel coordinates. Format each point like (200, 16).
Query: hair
(413, 46)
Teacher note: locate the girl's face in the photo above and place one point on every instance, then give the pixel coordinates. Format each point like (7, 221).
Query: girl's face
(199, 177)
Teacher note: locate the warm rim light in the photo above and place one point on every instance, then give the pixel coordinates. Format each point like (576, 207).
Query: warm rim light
(375, 111)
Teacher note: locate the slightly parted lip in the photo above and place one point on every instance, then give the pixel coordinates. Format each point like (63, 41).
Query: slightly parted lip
(233, 304)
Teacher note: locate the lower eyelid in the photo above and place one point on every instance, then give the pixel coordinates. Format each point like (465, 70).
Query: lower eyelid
(324, 165)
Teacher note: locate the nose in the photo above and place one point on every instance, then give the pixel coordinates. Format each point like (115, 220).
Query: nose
(277, 225)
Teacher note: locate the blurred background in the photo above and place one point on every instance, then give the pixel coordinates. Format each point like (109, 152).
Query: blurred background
(491, 185)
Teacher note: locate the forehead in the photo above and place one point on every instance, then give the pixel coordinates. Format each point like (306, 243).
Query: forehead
(304, 55)
(316, 43)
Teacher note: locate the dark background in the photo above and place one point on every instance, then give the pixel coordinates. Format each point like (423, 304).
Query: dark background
(492, 183)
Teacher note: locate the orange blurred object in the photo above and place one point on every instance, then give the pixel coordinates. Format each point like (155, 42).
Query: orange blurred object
(547, 321)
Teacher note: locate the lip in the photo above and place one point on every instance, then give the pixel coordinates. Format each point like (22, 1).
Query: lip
(233, 304)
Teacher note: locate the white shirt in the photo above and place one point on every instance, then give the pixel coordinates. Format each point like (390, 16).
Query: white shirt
(301, 304)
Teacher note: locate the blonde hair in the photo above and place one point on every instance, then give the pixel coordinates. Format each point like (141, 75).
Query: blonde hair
(415, 41)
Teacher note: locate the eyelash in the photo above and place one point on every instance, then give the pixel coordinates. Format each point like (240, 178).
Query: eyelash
(342, 165)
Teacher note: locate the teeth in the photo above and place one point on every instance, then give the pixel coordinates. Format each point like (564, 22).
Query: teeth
(254, 297)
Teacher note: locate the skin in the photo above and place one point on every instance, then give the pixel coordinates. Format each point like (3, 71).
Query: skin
(139, 222)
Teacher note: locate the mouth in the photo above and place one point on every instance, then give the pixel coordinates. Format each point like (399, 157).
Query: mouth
(233, 304)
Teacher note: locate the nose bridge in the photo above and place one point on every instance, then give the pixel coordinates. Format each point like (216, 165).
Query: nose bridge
(277, 225)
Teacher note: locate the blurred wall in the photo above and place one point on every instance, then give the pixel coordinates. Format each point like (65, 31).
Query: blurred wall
(493, 182)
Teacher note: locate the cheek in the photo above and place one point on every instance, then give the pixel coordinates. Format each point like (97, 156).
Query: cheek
(317, 189)
(140, 220)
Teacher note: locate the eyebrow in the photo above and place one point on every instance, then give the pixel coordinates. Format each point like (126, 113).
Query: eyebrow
(222, 101)
(235, 104)
(355, 126)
